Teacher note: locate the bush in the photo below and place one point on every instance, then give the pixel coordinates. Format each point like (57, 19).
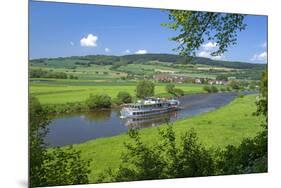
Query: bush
(210, 89)
(66, 108)
(228, 89)
(73, 77)
(170, 88)
(167, 159)
(249, 157)
(240, 95)
(124, 97)
(163, 159)
(234, 85)
(222, 89)
(178, 92)
(207, 88)
(214, 89)
(99, 101)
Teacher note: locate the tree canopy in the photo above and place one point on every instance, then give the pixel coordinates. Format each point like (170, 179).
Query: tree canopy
(55, 166)
(195, 27)
(145, 88)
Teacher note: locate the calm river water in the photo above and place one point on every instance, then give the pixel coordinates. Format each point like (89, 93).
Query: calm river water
(80, 127)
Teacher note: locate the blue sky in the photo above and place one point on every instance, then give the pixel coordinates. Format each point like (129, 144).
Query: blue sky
(59, 29)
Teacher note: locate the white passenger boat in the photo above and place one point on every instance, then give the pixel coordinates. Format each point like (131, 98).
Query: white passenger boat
(149, 107)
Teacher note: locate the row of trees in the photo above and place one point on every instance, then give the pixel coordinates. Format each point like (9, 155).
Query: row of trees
(40, 73)
(144, 88)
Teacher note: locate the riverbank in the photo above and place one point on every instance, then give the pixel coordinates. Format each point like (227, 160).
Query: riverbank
(64, 96)
(226, 125)
(60, 96)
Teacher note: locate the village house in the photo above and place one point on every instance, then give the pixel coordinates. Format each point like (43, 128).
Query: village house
(177, 78)
(221, 82)
(211, 81)
(198, 81)
(217, 82)
(164, 77)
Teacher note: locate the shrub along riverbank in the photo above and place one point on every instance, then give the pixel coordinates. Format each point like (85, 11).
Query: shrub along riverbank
(228, 125)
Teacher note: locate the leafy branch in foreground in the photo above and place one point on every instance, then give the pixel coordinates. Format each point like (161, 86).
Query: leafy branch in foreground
(262, 100)
(65, 166)
(195, 27)
(162, 160)
(49, 167)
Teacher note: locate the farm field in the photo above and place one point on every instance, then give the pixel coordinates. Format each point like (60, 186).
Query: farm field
(217, 129)
(67, 91)
(112, 68)
(94, 72)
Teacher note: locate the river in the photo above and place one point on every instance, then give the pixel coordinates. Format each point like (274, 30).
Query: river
(76, 128)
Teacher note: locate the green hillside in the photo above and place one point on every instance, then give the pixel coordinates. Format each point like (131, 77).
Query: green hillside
(106, 68)
(138, 58)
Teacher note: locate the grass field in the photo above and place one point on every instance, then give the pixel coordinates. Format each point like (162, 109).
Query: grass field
(94, 72)
(63, 91)
(226, 125)
(146, 68)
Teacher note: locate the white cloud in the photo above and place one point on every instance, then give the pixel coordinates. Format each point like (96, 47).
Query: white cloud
(207, 49)
(264, 45)
(209, 46)
(141, 52)
(89, 41)
(127, 51)
(71, 43)
(204, 54)
(107, 50)
(207, 54)
(260, 57)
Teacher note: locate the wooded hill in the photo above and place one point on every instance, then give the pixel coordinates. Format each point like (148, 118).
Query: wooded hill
(139, 58)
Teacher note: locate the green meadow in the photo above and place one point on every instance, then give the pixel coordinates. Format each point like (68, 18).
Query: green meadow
(227, 125)
(58, 91)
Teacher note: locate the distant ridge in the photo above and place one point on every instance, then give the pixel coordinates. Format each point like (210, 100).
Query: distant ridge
(161, 57)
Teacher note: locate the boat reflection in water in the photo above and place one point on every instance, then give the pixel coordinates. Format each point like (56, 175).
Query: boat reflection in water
(149, 121)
